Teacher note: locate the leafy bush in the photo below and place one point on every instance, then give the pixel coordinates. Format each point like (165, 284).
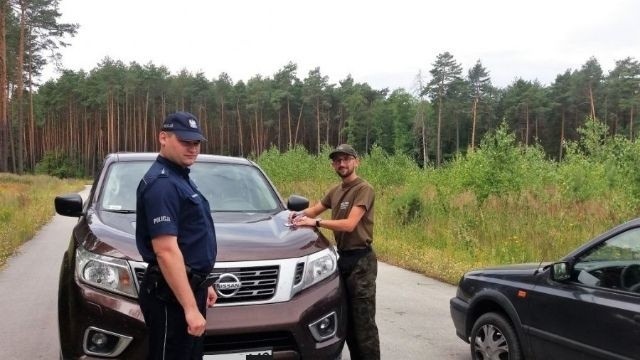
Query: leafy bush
(500, 166)
(383, 170)
(408, 207)
(59, 164)
(294, 165)
(598, 164)
(582, 179)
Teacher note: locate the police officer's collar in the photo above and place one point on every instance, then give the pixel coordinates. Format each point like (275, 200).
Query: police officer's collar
(184, 171)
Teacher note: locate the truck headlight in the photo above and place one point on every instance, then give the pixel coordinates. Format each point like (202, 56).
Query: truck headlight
(319, 266)
(105, 272)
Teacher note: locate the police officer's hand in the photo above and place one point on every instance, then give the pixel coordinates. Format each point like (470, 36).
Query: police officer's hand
(196, 323)
(212, 297)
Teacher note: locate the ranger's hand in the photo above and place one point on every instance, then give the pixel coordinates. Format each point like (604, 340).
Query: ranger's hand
(295, 214)
(304, 221)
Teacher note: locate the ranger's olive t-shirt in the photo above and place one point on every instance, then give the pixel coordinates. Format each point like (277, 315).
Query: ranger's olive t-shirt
(341, 199)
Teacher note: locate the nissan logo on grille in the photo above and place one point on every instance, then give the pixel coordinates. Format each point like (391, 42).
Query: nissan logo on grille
(228, 285)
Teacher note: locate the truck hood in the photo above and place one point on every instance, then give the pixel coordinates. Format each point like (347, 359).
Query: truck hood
(240, 236)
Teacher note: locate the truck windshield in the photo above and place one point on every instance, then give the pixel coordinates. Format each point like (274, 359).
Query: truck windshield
(227, 187)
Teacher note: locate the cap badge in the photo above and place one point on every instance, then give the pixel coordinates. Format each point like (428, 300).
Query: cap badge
(193, 123)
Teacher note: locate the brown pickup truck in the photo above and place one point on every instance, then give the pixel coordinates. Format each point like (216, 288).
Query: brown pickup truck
(279, 293)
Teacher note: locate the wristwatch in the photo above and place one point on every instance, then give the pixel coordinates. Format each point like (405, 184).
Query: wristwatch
(317, 222)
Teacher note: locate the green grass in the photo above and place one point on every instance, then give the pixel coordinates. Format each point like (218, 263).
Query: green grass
(463, 235)
(26, 204)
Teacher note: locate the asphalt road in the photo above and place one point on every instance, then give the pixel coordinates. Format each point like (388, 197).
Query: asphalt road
(413, 310)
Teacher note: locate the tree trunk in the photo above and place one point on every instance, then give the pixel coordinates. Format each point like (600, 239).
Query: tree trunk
(279, 136)
(425, 151)
(295, 138)
(526, 121)
(240, 145)
(32, 131)
(318, 125)
(592, 102)
(474, 114)
(228, 142)
(438, 149)
(457, 134)
(20, 87)
(257, 131)
(631, 123)
(252, 131)
(4, 124)
(340, 125)
(289, 121)
(561, 136)
(221, 126)
(327, 116)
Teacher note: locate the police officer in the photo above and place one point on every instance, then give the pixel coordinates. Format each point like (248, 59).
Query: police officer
(175, 235)
(352, 207)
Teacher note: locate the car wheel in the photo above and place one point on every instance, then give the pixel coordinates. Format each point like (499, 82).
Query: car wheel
(493, 338)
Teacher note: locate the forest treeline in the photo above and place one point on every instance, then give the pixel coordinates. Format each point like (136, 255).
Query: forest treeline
(74, 120)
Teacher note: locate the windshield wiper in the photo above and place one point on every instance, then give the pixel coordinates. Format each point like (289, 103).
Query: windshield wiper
(120, 211)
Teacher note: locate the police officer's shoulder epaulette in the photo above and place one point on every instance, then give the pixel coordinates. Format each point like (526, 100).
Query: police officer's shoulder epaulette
(150, 177)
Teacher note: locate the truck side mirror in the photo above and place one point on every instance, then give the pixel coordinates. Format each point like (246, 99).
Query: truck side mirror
(68, 205)
(297, 203)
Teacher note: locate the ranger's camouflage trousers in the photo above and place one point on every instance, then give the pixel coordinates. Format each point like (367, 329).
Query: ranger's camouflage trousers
(362, 331)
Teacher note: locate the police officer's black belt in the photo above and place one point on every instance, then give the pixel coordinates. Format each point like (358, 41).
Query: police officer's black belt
(200, 280)
(197, 279)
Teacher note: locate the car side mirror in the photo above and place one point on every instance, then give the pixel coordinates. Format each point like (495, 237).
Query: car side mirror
(561, 271)
(68, 205)
(297, 203)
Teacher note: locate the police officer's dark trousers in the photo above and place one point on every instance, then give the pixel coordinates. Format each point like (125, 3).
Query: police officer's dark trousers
(360, 283)
(166, 324)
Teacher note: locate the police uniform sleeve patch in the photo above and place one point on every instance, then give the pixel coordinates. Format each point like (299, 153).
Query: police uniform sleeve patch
(162, 218)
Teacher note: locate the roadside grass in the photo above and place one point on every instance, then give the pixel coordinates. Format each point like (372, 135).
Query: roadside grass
(26, 204)
(503, 230)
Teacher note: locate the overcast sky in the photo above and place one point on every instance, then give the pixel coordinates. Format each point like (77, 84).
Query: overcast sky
(383, 43)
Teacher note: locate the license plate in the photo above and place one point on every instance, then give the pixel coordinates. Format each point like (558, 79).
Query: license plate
(257, 354)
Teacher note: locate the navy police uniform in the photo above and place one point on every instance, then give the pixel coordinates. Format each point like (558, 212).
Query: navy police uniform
(169, 203)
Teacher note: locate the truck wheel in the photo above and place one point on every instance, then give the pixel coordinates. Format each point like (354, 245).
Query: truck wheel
(493, 338)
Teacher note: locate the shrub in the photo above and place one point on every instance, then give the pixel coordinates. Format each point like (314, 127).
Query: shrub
(500, 166)
(59, 164)
(408, 207)
(383, 170)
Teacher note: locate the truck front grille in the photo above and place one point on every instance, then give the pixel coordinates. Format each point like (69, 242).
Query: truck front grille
(237, 285)
(256, 283)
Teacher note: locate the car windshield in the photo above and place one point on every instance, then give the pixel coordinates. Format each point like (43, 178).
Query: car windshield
(227, 187)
